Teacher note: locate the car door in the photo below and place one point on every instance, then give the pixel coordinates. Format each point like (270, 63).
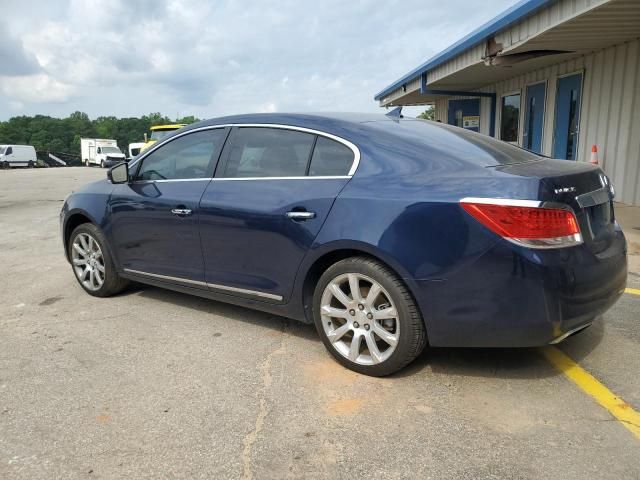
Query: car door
(154, 217)
(271, 194)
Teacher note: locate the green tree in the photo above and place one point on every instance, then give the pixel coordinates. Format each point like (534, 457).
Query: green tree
(49, 134)
(428, 114)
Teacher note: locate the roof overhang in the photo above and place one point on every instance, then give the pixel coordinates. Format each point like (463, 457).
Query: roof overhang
(611, 23)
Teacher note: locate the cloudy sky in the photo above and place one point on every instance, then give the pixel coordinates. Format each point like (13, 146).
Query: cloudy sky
(216, 57)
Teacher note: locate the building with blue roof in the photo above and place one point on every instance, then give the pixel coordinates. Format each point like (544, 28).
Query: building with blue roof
(553, 76)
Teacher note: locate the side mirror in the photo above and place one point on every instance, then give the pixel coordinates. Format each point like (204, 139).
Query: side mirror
(119, 173)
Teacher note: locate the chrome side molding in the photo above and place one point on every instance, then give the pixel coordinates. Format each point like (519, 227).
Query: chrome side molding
(210, 286)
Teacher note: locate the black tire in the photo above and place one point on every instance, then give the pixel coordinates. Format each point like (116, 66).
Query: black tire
(86, 163)
(101, 163)
(113, 283)
(6, 166)
(412, 337)
(31, 165)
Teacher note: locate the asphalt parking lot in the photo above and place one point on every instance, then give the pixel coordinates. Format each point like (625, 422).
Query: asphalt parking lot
(156, 384)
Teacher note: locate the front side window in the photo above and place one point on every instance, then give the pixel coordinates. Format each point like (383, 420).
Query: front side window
(510, 122)
(189, 156)
(268, 152)
(9, 151)
(330, 158)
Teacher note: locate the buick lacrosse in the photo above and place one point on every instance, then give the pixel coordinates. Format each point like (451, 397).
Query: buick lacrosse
(389, 234)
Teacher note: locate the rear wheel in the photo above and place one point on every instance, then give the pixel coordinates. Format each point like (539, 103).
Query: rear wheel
(92, 264)
(86, 163)
(101, 163)
(31, 165)
(367, 318)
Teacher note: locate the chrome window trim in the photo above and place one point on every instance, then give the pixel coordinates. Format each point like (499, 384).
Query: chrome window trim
(347, 143)
(235, 179)
(211, 286)
(138, 182)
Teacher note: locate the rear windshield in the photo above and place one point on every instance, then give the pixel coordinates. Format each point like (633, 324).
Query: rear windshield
(463, 144)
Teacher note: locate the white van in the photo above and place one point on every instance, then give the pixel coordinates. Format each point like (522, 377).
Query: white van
(17, 156)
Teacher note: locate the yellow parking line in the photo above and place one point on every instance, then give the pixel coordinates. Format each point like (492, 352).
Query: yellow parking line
(601, 394)
(634, 291)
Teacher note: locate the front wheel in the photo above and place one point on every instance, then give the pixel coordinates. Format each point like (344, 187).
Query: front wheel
(92, 264)
(101, 163)
(367, 318)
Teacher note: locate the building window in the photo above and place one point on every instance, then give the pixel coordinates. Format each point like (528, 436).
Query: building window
(510, 122)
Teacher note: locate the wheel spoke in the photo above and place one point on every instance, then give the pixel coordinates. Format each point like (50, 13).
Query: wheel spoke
(98, 277)
(100, 267)
(354, 349)
(376, 356)
(339, 294)
(91, 278)
(79, 261)
(385, 335)
(338, 333)
(334, 312)
(385, 313)
(79, 249)
(354, 286)
(373, 295)
(83, 242)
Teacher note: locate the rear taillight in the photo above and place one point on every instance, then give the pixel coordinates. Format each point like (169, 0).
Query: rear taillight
(526, 222)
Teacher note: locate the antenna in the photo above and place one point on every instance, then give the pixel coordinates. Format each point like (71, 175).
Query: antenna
(395, 114)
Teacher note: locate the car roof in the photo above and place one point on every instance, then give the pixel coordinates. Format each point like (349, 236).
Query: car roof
(298, 119)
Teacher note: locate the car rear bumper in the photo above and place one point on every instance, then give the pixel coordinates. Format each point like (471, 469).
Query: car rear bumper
(516, 297)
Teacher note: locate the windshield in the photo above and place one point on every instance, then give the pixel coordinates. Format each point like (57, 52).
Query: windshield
(159, 134)
(2, 150)
(111, 150)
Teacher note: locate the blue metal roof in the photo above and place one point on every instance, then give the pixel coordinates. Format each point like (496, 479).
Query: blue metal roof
(518, 12)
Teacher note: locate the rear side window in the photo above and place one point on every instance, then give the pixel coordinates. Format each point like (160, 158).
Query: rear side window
(189, 156)
(330, 158)
(268, 152)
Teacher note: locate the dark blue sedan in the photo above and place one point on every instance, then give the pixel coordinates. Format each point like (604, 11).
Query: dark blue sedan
(389, 234)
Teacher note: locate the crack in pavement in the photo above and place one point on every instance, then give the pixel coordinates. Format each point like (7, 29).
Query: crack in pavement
(252, 436)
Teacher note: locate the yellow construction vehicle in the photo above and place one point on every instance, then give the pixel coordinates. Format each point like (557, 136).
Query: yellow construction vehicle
(158, 132)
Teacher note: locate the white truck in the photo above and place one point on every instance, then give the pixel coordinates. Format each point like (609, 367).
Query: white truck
(17, 156)
(100, 151)
(135, 148)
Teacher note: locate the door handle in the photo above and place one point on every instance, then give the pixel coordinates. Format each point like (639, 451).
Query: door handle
(295, 215)
(181, 212)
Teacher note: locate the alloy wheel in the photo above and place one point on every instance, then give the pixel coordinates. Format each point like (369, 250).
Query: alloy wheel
(360, 319)
(88, 261)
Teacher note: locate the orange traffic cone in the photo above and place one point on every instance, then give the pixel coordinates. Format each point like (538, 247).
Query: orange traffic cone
(594, 155)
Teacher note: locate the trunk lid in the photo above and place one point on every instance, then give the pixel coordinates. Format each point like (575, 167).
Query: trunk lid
(584, 187)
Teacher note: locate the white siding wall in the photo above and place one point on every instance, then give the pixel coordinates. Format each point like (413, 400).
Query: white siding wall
(610, 111)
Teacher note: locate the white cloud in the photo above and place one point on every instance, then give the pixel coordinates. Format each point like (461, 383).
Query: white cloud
(213, 58)
(39, 88)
